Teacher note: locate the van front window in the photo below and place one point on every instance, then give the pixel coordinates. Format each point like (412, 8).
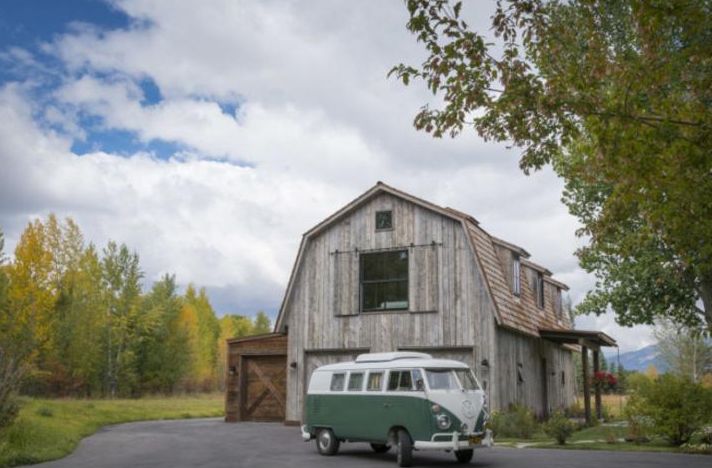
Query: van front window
(441, 379)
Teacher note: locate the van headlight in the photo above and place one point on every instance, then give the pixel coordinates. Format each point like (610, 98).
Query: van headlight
(443, 421)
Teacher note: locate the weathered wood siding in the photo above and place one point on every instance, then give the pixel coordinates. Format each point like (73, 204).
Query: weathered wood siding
(520, 377)
(449, 307)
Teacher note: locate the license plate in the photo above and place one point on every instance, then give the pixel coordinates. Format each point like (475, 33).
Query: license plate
(475, 439)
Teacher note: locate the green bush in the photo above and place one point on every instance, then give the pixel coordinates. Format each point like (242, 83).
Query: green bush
(559, 427)
(45, 412)
(517, 421)
(675, 407)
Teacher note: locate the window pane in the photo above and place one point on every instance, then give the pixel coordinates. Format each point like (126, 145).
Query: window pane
(418, 380)
(393, 378)
(356, 381)
(375, 381)
(337, 382)
(441, 379)
(385, 265)
(406, 381)
(467, 380)
(384, 220)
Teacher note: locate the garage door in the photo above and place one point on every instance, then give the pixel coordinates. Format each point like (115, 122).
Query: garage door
(265, 384)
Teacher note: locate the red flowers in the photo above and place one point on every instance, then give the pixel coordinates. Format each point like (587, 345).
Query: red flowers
(605, 380)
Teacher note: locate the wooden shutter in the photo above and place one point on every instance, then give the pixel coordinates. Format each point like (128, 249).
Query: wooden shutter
(424, 278)
(345, 283)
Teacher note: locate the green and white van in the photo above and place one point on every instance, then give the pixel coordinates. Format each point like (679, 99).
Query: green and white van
(407, 400)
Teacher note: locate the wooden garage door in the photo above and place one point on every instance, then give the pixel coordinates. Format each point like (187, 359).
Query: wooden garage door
(265, 388)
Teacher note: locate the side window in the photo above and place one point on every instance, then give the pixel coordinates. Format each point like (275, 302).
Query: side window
(418, 380)
(337, 382)
(393, 378)
(356, 382)
(400, 381)
(375, 382)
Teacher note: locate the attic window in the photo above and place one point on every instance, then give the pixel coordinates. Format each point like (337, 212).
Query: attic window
(516, 275)
(384, 220)
(540, 290)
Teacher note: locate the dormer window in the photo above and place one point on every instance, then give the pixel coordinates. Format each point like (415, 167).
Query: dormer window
(540, 290)
(559, 305)
(384, 220)
(516, 275)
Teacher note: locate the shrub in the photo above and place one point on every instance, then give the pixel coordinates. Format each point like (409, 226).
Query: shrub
(45, 412)
(517, 421)
(675, 407)
(10, 377)
(559, 427)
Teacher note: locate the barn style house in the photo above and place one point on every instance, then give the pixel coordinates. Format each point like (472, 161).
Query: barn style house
(390, 272)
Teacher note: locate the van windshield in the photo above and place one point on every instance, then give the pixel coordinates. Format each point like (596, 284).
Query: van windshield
(445, 379)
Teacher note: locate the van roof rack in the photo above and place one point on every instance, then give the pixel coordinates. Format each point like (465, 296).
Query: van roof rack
(381, 357)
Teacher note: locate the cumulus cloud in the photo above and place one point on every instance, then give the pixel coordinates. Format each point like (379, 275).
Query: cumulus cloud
(283, 113)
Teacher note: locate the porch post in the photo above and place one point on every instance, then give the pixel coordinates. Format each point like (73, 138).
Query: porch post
(586, 389)
(597, 388)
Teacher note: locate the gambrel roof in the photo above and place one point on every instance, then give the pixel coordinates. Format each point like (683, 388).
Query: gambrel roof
(520, 314)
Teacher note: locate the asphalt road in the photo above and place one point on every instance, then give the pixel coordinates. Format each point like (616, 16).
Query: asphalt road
(213, 443)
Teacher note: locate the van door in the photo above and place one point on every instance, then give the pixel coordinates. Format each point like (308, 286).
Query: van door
(405, 405)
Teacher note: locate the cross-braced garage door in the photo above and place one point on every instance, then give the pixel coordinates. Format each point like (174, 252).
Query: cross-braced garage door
(265, 383)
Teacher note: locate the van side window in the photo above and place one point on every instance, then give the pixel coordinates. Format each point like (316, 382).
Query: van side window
(337, 382)
(355, 382)
(418, 380)
(400, 381)
(375, 381)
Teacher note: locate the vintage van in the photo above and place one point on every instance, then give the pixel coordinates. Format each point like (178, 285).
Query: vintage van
(404, 399)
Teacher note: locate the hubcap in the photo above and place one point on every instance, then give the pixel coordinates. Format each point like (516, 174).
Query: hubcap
(324, 439)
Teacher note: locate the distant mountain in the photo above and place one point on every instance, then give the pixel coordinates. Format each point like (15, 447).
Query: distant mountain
(639, 360)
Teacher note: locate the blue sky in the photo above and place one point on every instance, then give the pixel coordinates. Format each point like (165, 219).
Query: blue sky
(210, 138)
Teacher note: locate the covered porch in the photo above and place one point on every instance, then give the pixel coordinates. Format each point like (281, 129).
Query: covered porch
(586, 340)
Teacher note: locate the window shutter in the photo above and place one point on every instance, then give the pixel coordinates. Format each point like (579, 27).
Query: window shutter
(345, 281)
(424, 279)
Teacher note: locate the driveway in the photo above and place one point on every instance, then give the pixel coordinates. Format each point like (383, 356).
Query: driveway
(213, 443)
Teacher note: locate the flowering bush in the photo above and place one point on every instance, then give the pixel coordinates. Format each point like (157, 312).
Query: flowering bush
(604, 380)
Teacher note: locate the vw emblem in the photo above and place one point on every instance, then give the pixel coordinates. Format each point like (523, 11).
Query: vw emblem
(468, 409)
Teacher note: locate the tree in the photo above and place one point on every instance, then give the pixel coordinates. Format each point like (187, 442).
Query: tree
(11, 368)
(686, 351)
(616, 96)
(231, 326)
(121, 275)
(262, 324)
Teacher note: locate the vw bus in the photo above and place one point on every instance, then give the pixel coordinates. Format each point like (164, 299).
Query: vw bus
(405, 400)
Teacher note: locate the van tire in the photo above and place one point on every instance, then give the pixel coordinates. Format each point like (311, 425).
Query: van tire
(404, 448)
(380, 448)
(464, 456)
(326, 442)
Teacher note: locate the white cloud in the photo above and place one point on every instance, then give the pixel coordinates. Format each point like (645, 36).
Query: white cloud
(317, 123)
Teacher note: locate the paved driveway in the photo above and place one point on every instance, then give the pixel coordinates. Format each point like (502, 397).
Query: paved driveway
(213, 443)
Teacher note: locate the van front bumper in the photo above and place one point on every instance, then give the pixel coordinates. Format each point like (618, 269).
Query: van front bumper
(306, 436)
(484, 439)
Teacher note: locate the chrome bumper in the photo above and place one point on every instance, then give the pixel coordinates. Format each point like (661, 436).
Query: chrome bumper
(454, 443)
(306, 436)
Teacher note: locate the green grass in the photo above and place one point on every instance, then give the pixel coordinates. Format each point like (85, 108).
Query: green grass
(593, 438)
(51, 429)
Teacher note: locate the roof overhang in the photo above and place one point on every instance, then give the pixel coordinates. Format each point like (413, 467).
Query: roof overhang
(589, 338)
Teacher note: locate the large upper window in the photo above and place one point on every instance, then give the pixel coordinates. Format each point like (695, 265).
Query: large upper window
(384, 280)
(516, 275)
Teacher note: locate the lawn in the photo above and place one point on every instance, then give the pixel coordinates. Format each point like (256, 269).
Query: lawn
(50, 429)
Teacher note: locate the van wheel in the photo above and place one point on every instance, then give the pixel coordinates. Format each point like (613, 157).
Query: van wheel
(464, 456)
(326, 442)
(380, 448)
(404, 449)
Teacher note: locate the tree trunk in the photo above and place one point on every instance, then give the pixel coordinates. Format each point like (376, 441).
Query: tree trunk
(705, 291)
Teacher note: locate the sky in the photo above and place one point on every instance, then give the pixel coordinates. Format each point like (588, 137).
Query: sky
(209, 136)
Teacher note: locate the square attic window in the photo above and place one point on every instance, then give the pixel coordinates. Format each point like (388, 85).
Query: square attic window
(384, 220)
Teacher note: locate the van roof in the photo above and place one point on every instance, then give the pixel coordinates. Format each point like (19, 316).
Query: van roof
(395, 364)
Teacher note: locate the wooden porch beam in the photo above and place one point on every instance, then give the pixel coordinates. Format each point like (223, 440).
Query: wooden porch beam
(597, 388)
(586, 383)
